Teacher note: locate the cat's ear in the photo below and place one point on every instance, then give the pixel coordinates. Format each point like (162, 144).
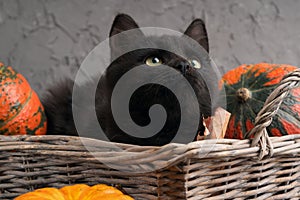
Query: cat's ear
(197, 31)
(122, 22)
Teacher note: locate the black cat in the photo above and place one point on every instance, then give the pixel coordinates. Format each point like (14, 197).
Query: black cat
(58, 101)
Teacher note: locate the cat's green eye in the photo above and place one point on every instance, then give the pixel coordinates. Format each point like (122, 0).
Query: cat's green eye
(195, 63)
(153, 61)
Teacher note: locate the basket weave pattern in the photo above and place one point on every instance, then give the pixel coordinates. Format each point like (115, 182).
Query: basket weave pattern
(261, 168)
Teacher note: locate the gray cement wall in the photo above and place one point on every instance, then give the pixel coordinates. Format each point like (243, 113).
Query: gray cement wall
(43, 39)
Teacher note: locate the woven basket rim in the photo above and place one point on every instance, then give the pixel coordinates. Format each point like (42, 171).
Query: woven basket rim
(165, 155)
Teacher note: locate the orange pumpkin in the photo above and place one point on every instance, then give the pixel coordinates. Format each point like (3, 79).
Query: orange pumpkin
(247, 88)
(76, 192)
(21, 111)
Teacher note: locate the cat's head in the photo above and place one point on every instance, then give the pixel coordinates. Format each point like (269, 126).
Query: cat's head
(188, 63)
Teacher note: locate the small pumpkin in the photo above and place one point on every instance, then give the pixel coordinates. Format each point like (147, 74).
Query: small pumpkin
(76, 192)
(247, 88)
(21, 111)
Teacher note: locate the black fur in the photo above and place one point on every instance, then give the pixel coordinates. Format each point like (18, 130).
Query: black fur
(58, 101)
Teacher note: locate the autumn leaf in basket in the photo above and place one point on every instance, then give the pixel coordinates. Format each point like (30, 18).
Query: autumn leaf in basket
(247, 88)
(216, 125)
(21, 111)
(76, 192)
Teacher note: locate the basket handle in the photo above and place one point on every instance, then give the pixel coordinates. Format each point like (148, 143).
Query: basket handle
(269, 110)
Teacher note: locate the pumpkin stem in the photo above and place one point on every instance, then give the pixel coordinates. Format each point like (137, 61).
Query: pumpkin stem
(243, 94)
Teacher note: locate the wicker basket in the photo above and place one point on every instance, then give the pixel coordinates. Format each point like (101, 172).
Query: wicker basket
(261, 168)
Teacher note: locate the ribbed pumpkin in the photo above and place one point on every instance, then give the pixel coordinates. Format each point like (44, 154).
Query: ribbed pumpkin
(76, 192)
(247, 87)
(21, 111)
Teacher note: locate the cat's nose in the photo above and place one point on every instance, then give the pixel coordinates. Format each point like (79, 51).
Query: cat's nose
(183, 66)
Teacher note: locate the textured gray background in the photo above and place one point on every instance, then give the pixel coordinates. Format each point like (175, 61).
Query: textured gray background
(44, 39)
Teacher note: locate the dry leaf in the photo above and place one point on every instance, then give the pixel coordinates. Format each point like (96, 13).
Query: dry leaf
(215, 126)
